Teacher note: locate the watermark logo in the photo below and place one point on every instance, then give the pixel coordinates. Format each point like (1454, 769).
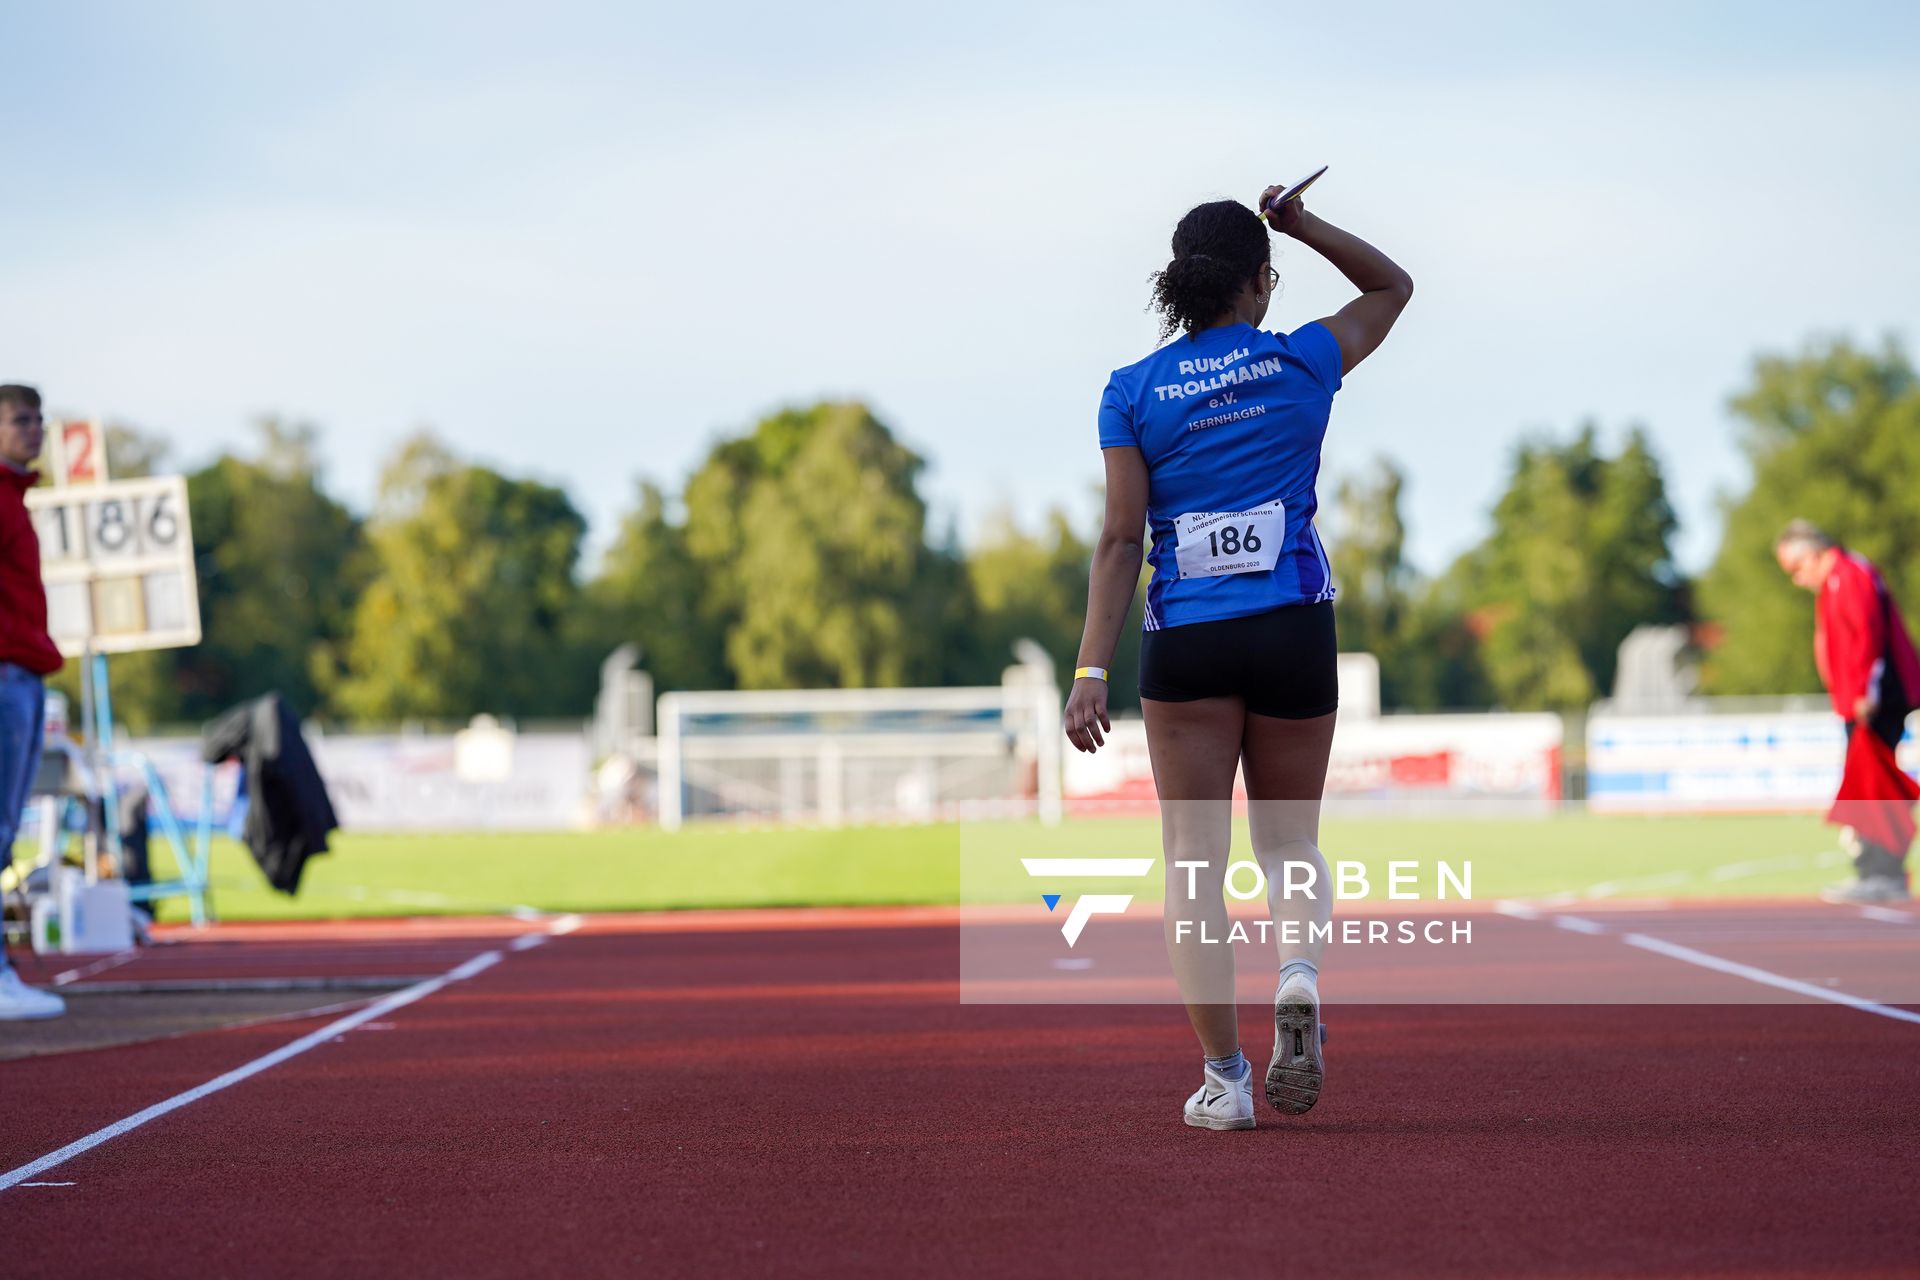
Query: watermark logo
(1088, 905)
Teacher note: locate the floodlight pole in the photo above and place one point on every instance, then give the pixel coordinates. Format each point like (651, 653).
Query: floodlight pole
(1049, 799)
(1044, 706)
(667, 772)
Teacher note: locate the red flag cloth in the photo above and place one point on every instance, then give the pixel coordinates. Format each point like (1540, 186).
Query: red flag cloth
(1876, 796)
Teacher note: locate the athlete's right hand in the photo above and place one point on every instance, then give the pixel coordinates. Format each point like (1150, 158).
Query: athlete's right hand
(1283, 218)
(1087, 714)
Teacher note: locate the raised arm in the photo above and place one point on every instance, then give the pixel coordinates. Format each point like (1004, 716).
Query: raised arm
(1110, 588)
(1385, 288)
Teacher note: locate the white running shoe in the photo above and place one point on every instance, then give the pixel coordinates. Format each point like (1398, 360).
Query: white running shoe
(1298, 1068)
(22, 1003)
(1221, 1103)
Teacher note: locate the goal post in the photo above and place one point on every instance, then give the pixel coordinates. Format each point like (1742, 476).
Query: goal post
(839, 756)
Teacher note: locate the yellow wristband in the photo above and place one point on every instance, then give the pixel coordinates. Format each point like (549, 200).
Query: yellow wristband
(1090, 673)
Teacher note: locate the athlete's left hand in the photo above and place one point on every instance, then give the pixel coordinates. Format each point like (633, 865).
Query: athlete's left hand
(1863, 710)
(1087, 714)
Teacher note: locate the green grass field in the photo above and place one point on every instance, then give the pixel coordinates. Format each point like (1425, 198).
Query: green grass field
(645, 869)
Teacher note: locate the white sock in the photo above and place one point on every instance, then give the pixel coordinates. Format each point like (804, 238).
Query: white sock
(1306, 968)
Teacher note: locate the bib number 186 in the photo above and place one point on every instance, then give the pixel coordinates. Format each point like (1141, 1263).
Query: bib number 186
(1214, 543)
(1231, 542)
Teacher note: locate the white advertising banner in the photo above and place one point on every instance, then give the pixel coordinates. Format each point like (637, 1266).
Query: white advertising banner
(1393, 763)
(416, 782)
(1781, 761)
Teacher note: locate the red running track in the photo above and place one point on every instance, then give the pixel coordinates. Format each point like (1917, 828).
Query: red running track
(707, 1098)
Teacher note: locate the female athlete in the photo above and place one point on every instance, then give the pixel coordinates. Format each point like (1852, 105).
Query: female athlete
(1212, 443)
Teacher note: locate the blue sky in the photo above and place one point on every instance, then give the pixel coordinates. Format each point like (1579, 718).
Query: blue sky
(583, 240)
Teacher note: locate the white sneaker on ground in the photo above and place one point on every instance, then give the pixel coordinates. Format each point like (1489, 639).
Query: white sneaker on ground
(1298, 1068)
(1866, 891)
(22, 1003)
(1221, 1103)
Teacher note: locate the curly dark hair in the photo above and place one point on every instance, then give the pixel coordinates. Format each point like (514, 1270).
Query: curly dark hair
(1217, 248)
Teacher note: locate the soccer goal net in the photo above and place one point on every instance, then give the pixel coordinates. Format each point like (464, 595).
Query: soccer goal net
(838, 756)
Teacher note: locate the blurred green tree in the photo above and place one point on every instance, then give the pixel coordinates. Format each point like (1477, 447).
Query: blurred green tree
(280, 564)
(1032, 586)
(1376, 584)
(1418, 628)
(1580, 554)
(1369, 558)
(1833, 436)
(1438, 662)
(472, 588)
(651, 590)
(811, 535)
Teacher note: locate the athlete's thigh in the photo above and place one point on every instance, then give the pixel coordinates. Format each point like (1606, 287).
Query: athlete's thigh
(1285, 762)
(1194, 746)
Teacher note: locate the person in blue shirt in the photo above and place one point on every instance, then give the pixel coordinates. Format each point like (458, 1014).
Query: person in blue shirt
(1212, 445)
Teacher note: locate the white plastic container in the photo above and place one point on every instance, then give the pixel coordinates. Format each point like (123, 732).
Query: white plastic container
(78, 917)
(46, 926)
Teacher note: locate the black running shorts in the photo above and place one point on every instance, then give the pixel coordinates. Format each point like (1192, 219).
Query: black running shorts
(1281, 662)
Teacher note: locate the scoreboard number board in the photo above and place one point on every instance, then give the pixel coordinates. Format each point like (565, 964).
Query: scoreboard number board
(75, 451)
(117, 558)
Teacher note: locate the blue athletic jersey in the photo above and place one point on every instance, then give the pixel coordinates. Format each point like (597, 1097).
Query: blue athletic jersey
(1230, 421)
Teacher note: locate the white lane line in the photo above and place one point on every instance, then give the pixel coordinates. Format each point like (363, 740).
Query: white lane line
(1886, 915)
(333, 1030)
(1676, 879)
(1518, 910)
(1579, 924)
(1688, 955)
(101, 965)
(559, 926)
(49, 1184)
(1610, 888)
(1760, 866)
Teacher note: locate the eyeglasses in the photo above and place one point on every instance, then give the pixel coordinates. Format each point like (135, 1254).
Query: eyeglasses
(1273, 279)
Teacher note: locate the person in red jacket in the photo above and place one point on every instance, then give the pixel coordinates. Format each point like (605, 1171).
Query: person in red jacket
(27, 656)
(1872, 673)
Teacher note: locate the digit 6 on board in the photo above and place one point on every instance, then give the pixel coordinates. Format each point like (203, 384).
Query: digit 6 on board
(162, 526)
